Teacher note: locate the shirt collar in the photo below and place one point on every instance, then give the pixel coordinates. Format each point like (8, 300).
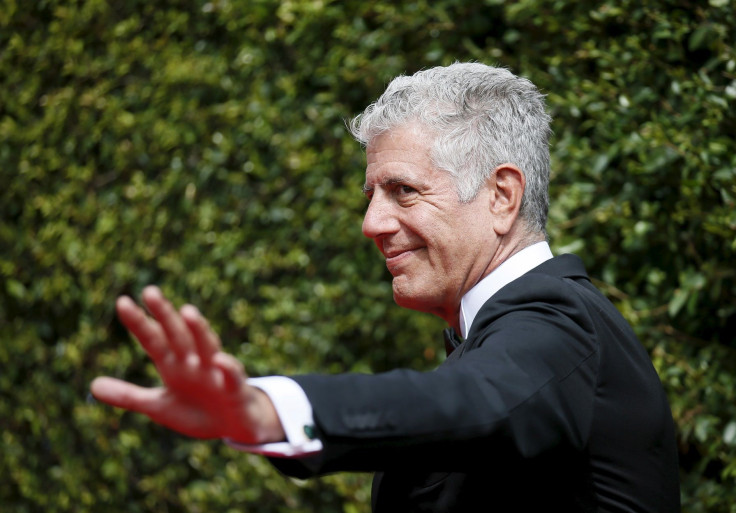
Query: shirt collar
(512, 268)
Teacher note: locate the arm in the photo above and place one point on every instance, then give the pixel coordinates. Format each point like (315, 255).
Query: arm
(524, 388)
(204, 392)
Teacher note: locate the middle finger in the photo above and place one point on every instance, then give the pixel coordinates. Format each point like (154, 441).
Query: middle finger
(178, 336)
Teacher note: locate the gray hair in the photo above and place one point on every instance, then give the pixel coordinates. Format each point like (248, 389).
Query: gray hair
(479, 117)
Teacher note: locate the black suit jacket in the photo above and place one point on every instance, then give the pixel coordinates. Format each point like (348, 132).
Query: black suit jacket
(551, 403)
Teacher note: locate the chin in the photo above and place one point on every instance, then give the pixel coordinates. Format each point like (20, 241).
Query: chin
(404, 300)
(411, 301)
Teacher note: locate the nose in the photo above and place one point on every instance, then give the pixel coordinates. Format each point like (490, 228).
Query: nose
(380, 217)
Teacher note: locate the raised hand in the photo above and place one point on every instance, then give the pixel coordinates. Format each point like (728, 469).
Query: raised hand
(205, 394)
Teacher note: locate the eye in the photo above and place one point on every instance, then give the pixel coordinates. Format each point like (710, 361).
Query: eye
(405, 189)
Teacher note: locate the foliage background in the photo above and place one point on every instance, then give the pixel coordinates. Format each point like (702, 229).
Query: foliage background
(200, 145)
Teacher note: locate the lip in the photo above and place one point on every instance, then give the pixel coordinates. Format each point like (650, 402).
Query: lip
(395, 257)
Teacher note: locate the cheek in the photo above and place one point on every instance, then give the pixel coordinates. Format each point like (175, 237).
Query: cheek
(453, 247)
(461, 251)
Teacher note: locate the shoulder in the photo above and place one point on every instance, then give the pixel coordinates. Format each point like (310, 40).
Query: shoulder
(546, 311)
(556, 292)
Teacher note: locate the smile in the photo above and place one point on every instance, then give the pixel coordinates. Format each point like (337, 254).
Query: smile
(394, 258)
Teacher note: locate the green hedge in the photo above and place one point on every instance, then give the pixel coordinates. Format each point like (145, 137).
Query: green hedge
(201, 146)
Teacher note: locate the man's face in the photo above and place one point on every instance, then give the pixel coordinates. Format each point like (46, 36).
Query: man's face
(436, 248)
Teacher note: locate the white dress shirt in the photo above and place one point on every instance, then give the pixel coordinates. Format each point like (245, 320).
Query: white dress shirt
(293, 406)
(512, 268)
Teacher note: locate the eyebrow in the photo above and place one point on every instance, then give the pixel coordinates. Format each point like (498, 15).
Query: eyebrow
(388, 181)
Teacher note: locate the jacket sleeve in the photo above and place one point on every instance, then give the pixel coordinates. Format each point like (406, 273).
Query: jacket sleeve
(522, 384)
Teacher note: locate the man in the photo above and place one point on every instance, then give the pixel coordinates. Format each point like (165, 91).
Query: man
(550, 402)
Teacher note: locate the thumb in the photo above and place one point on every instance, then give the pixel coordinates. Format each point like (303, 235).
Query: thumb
(125, 395)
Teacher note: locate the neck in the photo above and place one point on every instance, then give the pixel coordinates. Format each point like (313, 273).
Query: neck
(508, 246)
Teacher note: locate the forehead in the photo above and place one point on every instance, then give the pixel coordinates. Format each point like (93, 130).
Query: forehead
(402, 150)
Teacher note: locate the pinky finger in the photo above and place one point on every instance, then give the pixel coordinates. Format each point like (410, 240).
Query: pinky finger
(233, 373)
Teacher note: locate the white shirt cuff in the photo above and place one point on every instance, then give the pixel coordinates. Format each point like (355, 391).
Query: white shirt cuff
(295, 413)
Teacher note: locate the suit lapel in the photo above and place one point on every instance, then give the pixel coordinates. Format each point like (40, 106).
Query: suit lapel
(563, 266)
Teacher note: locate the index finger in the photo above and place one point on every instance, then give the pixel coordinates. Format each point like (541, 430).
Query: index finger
(148, 332)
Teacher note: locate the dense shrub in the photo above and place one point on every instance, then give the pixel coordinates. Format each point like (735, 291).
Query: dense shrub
(201, 146)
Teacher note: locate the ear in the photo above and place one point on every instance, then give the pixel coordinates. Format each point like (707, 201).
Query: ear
(506, 189)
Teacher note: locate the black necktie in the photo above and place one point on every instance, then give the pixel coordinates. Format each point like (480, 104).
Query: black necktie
(452, 340)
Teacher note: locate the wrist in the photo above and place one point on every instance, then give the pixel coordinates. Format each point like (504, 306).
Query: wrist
(269, 428)
(257, 422)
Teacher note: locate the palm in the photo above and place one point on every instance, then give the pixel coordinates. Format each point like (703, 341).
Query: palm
(205, 394)
(196, 400)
